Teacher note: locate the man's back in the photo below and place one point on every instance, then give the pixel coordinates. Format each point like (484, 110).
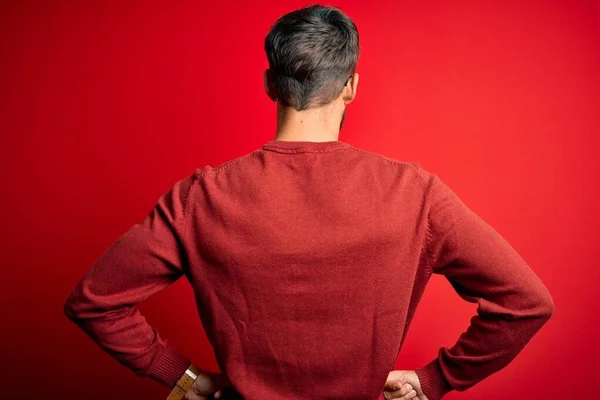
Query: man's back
(308, 260)
(305, 257)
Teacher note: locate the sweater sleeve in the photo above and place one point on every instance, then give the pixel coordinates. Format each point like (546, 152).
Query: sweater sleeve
(483, 268)
(145, 259)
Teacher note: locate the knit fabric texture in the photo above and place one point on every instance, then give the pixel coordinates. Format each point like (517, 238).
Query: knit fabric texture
(308, 260)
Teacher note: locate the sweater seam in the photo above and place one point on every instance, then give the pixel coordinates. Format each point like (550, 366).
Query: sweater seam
(225, 165)
(186, 206)
(384, 158)
(428, 227)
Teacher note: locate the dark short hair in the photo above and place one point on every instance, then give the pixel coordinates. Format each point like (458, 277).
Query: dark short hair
(312, 52)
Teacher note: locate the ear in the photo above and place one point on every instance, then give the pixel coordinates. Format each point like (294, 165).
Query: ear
(268, 87)
(350, 89)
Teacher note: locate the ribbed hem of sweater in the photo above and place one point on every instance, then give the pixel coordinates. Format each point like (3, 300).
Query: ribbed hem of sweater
(171, 366)
(433, 383)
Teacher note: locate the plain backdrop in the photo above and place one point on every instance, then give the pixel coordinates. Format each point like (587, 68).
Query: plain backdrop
(105, 104)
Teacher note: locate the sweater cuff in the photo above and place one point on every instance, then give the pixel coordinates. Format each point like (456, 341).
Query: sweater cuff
(169, 367)
(433, 383)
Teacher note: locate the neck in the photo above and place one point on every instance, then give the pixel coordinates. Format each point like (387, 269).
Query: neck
(314, 125)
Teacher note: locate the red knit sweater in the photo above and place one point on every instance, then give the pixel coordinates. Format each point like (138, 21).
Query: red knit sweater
(308, 260)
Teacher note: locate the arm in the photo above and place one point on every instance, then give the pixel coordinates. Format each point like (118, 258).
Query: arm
(483, 268)
(145, 259)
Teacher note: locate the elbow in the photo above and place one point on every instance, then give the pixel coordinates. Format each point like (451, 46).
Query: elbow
(544, 304)
(535, 305)
(70, 308)
(547, 306)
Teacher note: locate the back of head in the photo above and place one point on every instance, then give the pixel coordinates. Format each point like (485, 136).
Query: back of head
(311, 52)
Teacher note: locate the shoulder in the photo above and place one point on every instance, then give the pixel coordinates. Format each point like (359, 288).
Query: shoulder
(382, 158)
(208, 169)
(413, 168)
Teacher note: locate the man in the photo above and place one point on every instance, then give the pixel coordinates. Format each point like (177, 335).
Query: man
(308, 256)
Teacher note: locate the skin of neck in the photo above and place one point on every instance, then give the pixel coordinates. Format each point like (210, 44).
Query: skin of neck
(315, 124)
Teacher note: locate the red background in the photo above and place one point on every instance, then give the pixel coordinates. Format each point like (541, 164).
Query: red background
(106, 104)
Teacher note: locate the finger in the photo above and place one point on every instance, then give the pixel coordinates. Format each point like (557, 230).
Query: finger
(218, 394)
(394, 384)
(400, 393)
(397, 396)
(192, 395)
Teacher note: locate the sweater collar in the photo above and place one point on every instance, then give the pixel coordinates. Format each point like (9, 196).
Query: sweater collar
(301, 146)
